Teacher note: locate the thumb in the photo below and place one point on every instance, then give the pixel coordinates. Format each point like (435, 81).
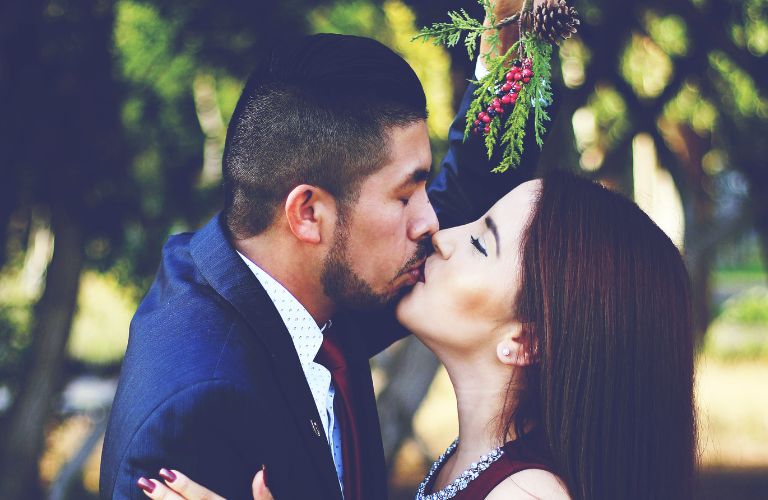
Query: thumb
(260, 490)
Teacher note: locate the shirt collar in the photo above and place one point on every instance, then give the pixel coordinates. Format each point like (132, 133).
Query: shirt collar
(305, 334)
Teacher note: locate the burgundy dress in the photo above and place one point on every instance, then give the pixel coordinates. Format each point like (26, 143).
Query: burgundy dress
(527, 452)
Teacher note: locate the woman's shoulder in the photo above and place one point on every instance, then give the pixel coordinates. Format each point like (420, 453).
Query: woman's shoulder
(530, 484)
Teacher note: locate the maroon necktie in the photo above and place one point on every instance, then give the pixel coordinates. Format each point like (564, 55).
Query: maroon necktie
(332, 357)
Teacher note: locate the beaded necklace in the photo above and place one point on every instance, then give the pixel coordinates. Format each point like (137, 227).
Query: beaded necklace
(463, 480)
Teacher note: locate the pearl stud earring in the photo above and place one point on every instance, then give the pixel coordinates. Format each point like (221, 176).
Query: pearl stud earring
(505, 351)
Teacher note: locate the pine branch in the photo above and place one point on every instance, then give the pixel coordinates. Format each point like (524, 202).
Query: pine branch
(514, 134)
(541, 91)
(461, 23)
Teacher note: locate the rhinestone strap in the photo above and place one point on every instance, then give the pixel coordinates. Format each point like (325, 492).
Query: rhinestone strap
(464, 478)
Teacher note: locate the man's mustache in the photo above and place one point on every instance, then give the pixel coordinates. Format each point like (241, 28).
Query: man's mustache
(423, 250)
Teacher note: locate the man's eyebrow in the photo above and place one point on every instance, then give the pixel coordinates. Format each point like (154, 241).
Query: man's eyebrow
(416, 177)
(492, 226)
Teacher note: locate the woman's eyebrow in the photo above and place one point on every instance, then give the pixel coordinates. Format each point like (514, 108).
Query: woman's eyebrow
(492, 226)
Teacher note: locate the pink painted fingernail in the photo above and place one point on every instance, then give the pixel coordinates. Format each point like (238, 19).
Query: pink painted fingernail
(167, 475)
(146, 485)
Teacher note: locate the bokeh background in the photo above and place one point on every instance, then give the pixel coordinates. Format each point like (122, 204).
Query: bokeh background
(114, 115)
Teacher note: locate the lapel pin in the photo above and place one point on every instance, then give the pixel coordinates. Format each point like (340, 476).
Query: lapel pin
(315, 427)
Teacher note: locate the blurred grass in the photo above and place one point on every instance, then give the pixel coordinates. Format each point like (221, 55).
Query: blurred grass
(100, 329)
(732, 400)
(738, 277)
(740, 331)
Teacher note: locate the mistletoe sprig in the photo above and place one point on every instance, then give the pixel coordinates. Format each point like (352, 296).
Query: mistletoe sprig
(505, 96)
(535, 95)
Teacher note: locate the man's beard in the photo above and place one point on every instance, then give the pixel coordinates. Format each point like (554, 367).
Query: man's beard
(347, 289)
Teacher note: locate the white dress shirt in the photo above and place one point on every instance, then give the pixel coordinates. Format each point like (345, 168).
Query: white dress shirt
(307, 338)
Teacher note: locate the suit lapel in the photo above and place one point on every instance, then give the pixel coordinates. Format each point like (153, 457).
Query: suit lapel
(228, 275)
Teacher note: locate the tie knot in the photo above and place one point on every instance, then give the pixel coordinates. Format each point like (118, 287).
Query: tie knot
(330, 354)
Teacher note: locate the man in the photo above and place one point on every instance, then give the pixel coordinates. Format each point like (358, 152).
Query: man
(326, 221)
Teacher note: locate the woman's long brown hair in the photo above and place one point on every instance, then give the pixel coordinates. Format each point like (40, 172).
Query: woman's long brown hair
(606, 296)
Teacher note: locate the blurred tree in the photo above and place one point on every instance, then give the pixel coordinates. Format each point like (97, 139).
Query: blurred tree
(115, 119)
(66, 159)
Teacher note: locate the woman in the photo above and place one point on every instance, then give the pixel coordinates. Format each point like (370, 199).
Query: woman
(580, 358)
(563, 319)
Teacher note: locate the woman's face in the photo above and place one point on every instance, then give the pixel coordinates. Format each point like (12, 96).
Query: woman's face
(466, 301)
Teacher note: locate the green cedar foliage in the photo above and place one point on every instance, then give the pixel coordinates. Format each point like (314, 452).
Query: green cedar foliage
(536, 95)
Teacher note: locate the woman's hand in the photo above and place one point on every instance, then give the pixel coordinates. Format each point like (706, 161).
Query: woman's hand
(177, 486)
(509, 34)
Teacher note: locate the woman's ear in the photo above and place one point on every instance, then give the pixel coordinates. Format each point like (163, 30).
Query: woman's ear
(518, 346)
(307, 208)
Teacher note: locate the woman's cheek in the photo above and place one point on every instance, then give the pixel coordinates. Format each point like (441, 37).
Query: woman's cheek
(469, 295)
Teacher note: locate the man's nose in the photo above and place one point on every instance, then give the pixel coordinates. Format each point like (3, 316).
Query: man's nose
(425, 223)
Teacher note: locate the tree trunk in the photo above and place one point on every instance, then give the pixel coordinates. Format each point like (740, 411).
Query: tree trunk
(24, 433)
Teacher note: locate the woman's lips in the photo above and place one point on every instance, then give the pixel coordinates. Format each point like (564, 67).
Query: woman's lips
(416, 274)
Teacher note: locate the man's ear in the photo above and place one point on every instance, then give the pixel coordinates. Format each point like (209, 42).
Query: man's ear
(518, 345)
(307, 209)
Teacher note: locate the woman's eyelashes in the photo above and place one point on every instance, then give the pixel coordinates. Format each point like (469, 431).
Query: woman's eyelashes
(478, 245)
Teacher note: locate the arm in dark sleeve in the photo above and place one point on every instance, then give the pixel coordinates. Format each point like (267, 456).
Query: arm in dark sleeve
(465, 188)
(205, 431)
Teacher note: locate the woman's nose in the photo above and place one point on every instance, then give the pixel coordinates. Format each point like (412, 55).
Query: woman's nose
(442, 244)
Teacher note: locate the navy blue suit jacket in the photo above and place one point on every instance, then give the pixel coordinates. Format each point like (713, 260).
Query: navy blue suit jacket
(211, 384)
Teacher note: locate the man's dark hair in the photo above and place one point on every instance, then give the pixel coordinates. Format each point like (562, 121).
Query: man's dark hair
(316, 111)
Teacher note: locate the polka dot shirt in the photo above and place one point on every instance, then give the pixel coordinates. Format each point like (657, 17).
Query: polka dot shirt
(307, 338)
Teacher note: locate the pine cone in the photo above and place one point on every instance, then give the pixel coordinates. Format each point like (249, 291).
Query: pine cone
(554, 21)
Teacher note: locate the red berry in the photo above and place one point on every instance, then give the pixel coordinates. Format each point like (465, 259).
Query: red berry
(499, 110)
(527, 73)
(496, 102)
(476, 123)
(526, 80)
(517, 87)
(527, 63)
(513, 98)
(481, 114)
(505, 99)
(487, 129)
(506, 87)
(510, 76)
(486, 118)
(518, 77)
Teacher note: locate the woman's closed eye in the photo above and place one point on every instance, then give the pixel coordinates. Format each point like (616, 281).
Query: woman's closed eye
(480, 248)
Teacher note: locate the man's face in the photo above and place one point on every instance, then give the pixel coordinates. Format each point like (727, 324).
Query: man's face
(382, 240)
